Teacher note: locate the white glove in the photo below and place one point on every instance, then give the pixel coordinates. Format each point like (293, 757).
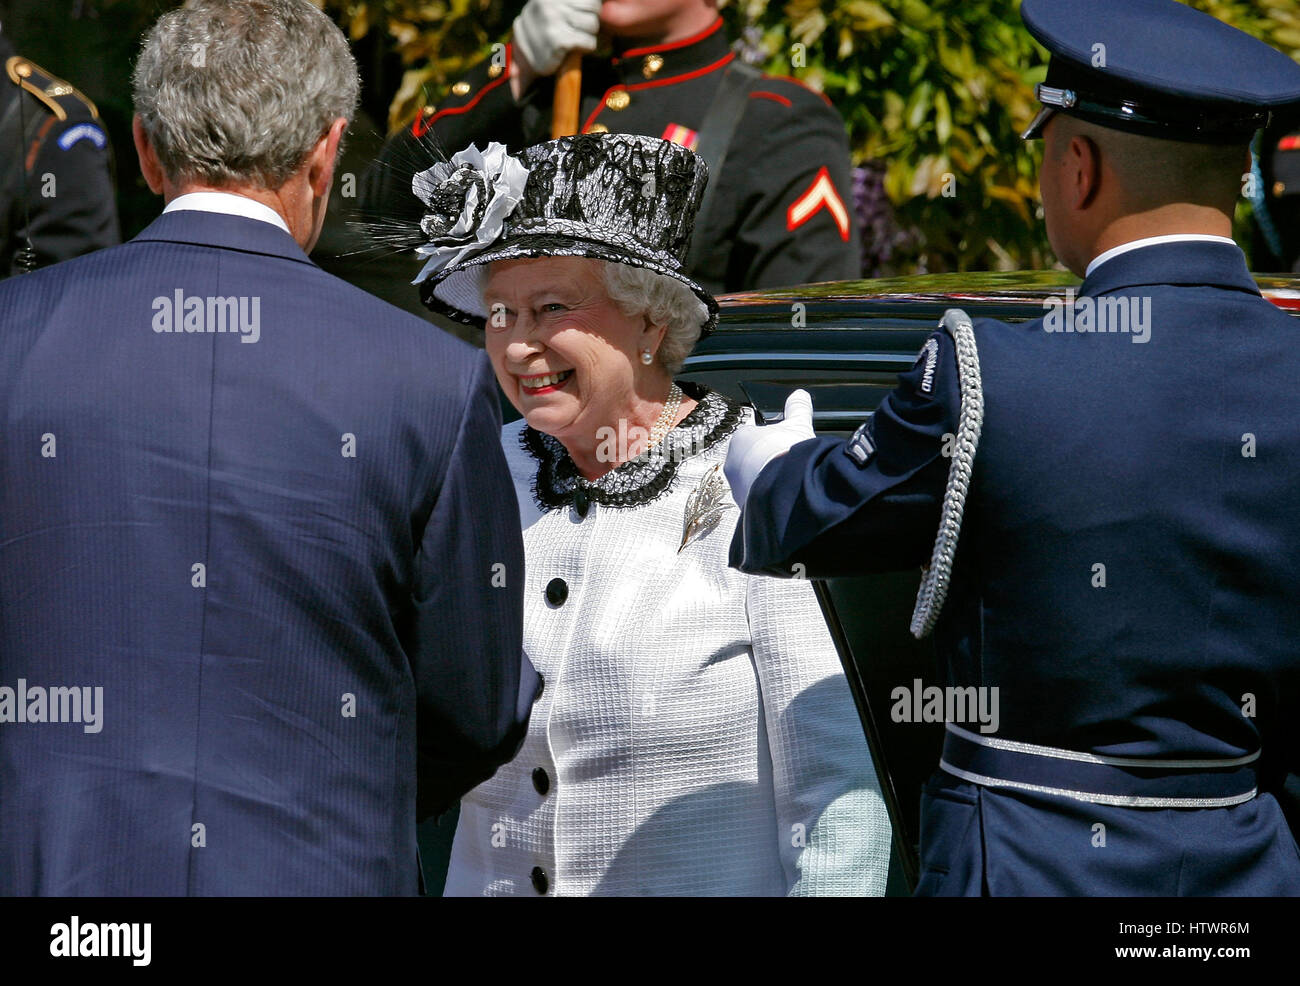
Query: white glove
(547, 30)
(753, 447)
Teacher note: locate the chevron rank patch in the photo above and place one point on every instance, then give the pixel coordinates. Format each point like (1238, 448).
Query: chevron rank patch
(820, 195)
(861, 447)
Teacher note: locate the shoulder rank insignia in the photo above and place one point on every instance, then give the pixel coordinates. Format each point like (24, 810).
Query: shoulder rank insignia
(49, 89)
(821, 194)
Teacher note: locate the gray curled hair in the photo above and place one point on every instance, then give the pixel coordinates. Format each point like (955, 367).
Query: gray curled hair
(665, 301)
(235, 92)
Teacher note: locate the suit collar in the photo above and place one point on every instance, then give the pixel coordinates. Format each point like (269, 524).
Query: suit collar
(1185, 263)
(669, 61)
(226, 203)
(213, 229)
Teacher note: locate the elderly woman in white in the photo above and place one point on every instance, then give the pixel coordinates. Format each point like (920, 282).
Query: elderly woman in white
(695, 734)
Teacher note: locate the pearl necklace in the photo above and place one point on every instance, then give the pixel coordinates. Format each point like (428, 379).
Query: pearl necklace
(666, 417)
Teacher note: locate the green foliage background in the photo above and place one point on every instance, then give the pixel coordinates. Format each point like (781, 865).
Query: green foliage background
(926, 89)
(945, 88)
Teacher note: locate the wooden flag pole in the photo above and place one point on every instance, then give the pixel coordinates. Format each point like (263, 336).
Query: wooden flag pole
(568, 96)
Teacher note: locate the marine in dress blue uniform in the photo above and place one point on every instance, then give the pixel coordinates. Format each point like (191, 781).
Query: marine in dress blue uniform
(1127, 571)
(783, 212)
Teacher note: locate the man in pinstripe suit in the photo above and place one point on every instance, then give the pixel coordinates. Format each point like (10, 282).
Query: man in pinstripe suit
(259, 555)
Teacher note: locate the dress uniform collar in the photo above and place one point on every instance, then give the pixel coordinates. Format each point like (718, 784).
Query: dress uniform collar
(688, 57)
(1189, 263)
(1147, 241)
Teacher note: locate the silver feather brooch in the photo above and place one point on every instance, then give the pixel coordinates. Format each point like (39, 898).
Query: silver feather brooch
(704, 507)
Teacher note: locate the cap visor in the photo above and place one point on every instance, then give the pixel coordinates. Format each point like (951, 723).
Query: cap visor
(1035, 129)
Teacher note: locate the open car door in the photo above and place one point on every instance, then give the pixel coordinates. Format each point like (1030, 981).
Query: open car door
(868, 618)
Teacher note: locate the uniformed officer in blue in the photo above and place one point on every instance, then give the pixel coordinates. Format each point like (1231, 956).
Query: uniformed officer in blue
(1116, 499)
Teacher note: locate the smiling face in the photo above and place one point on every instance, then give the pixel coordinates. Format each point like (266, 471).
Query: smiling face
(564, 353)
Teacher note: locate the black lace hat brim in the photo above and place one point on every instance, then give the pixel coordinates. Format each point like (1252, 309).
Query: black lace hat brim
(454, 291)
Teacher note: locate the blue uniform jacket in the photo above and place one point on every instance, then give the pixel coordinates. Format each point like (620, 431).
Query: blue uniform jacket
(287, 555)
(1128, 573)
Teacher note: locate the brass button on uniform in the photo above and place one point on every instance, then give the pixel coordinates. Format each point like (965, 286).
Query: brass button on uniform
(494, 70)
(541, 781)
(540, 883)
(598, 128)
(460, 88)
(651, 64)
(557, 590)
(618, 99)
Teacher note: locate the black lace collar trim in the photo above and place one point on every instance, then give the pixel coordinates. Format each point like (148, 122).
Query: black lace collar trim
(640, 480)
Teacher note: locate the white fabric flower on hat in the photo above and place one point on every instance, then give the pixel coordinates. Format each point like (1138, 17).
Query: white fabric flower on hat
(468, 200)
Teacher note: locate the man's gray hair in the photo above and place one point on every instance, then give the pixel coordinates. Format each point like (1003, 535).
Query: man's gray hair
(665, 301)
(234, 92)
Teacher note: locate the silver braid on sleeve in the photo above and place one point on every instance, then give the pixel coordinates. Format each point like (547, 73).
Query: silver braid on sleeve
(936, 575)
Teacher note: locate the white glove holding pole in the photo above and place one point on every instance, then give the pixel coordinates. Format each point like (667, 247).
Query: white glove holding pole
(753, 446)
(547, 30)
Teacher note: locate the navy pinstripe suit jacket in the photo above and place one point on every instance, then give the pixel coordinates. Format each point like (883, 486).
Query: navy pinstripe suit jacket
(282, 542)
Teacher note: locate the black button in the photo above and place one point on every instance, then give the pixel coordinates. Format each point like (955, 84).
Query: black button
(557, 590)
(540, 883)
(541, 781)
(541, 684)
(581, 502)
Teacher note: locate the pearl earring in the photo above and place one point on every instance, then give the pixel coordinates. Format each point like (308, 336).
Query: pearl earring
(647, 357)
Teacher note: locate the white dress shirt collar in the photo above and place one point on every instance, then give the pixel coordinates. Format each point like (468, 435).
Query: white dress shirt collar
(228, 204)
(1101, 258)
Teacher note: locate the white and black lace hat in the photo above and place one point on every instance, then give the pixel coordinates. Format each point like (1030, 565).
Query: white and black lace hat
(618, 197)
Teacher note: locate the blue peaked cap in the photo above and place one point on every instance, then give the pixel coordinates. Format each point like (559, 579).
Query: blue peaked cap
(1157, 68)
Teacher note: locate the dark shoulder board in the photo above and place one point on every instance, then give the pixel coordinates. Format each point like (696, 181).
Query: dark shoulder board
(59, 96)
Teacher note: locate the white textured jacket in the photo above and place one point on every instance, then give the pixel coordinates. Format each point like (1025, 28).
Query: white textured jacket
(695, 733)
